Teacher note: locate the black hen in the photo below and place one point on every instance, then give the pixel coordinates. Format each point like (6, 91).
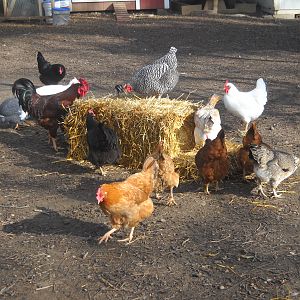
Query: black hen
(103, 143)
(50, 74)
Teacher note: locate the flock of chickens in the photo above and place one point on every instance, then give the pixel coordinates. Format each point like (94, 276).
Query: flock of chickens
(129, 202)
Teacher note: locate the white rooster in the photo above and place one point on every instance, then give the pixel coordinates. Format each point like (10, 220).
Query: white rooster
(207, 121)
(247, 106)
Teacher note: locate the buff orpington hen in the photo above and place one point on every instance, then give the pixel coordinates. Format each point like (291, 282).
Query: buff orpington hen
(212, 161)
(167, 177)
(207, 121)
(272, 166)
(128, 202)
(154, 79)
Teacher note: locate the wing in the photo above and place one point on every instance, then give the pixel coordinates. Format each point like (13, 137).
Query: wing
(153, 72)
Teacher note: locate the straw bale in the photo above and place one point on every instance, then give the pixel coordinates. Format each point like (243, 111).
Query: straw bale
(140, 125)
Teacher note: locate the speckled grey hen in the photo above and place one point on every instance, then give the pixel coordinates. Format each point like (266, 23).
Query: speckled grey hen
(154, 79)
(272, 166)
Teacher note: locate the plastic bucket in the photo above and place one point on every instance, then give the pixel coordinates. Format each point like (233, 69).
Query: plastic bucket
(48, 11)
(61, 16)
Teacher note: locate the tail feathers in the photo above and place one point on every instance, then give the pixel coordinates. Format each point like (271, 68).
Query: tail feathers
(260, 84)
(23, 89)
(221, 135)
(42, 62)
(22, 84)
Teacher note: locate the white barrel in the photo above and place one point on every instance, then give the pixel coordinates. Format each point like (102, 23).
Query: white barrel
(48, 11)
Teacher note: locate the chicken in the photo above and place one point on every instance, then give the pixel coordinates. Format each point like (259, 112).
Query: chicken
(11, 114)
(103, 142)
(252, 137)
(212, 161)
(207, 121)
(50, 73)
(272, 166)
(167, 177)
(49, 110)
(247, 106)
(154, 79)
(128, 202)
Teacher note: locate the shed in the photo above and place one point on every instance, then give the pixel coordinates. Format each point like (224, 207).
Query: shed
(102, 5)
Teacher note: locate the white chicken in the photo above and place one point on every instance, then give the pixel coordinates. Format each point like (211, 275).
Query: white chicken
(247, 106)
(207, 121)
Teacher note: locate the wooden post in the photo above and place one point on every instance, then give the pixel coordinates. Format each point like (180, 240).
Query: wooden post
(5, 8)
(39, 3)
(215, 6)
(52, 4)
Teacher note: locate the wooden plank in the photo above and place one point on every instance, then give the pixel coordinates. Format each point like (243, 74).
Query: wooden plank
(22, 18)
(121, 12)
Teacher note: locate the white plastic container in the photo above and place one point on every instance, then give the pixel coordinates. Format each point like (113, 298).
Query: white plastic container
(61, 16)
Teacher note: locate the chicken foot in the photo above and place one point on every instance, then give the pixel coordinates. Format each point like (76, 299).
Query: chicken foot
(171, 200)
(107, 235)
(129, 239)
(260, 189)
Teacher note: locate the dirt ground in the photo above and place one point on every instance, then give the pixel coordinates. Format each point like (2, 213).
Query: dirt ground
(229, 245)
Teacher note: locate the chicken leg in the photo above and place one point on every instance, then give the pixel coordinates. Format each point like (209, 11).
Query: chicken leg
(171, 200)
(107, 235)
(53, 140)
(206, 191)
(260, 189)
(129, 239)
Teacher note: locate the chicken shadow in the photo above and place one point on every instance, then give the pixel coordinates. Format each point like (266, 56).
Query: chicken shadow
(50, 222)
(31, 142)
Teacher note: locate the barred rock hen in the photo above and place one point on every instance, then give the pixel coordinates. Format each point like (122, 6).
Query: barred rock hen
(207, 121)
(167, 177)
(212, 160)
(252, 137)
(128, 202)
(103, 142)
(272, 166)
(154, 79)
(50, 73)
(49, 110)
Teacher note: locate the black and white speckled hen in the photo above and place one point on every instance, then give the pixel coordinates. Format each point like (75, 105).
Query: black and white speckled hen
(272, 166)
(154, 79)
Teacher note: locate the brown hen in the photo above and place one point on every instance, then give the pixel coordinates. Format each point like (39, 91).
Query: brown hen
(252, 137)
(167, 177)
(212, 161)
(128, 202)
